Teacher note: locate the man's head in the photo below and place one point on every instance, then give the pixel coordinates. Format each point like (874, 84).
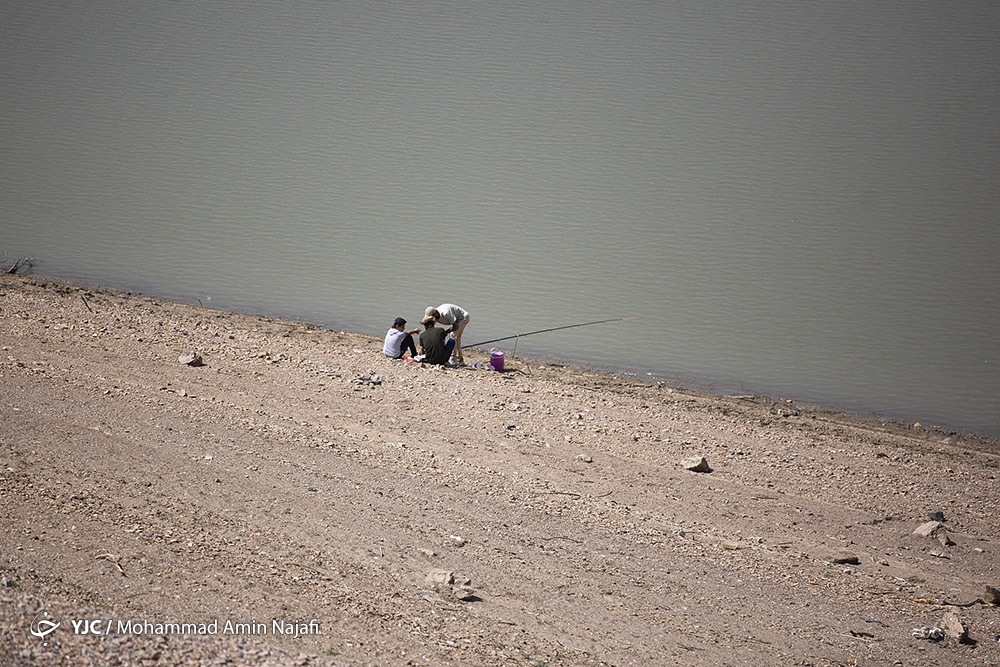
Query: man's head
(399, 323)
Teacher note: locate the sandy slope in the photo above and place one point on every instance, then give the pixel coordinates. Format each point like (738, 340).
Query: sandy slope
(279, 483)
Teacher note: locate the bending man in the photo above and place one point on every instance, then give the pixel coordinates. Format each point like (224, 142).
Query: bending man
(455, 317)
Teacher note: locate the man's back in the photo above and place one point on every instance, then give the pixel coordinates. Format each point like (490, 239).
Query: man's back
(434, 344)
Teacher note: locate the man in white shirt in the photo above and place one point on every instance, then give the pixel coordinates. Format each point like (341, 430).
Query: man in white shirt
(455, 317)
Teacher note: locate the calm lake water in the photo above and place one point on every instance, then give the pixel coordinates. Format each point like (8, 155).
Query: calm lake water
(796, 199)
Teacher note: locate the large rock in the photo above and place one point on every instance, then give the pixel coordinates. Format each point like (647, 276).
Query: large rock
(696, 464)
(192, 359)
(954, 627)
(935, 530)
(438, 577)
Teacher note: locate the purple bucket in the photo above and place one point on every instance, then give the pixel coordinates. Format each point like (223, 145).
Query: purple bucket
(496, 359)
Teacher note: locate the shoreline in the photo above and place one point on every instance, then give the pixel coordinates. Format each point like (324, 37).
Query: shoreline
(549, 514)
(871, 419)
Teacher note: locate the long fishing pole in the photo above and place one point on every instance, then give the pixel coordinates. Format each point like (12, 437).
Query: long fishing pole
(568, 326)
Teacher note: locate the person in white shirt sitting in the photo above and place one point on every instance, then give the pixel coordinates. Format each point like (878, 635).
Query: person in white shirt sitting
(399, 341)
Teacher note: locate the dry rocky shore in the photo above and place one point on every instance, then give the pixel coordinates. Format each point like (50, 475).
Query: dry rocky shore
(329, 506)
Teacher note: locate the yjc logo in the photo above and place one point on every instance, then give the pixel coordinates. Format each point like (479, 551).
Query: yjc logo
(88, 627)
(42, 627)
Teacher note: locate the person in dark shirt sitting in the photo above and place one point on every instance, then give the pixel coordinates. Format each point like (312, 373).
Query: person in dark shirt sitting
(434, 343)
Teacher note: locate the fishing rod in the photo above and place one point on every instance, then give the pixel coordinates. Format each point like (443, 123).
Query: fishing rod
(568, 326)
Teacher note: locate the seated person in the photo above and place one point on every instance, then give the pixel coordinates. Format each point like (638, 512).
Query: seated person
(398, 341)
(435, 346)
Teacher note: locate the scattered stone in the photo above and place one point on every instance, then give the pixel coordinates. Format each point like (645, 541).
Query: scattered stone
(456, 540)
(696, 464)
(936, 530)
(444, 581)
(368, 379)
(954, 627)
(465, 594)
(936, 515)
(933, 633)
(462, 590)
(436, 577)
(430, 553)
(991, 596)
(584, 458)
(193, 359)
(847, 560)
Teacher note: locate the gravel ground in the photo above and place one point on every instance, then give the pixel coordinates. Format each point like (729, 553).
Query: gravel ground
(300, 500)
